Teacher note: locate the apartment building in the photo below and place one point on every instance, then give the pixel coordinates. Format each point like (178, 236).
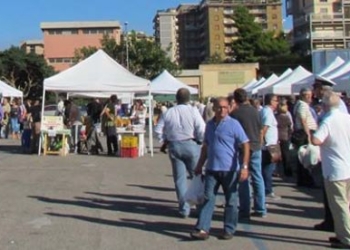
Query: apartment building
(165, 27)
(207, 29)
(33, 46)
(61, 39)
(320, 24)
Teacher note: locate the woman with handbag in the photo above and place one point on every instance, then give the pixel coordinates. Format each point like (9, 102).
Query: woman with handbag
(271, 152)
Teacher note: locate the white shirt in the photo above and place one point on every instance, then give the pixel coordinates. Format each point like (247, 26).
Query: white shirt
(334, 133)
(268, 119)
(179, 123)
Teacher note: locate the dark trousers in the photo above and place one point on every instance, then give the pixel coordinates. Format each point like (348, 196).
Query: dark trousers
(284, 145)
(112, 142)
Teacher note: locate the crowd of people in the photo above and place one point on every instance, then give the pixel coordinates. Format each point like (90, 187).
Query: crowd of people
(238, 144)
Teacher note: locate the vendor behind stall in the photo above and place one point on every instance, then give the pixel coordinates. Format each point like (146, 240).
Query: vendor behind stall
(108, 117)
(138, 116)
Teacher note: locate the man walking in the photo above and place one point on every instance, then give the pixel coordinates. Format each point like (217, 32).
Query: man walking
(333, 136)
(183, 128)
(223, 138)
(249, 118)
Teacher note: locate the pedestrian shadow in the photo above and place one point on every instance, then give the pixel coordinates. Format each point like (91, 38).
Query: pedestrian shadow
(181, 231)
(131, 197)
(135, 204)
(12, 149)
(155, 188)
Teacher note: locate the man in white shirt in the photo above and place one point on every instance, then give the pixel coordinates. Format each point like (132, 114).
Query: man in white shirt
(183, 128)
(333, 136)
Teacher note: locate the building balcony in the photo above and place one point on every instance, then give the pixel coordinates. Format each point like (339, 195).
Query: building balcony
(327, 35)
(228, 12)
(325, 17)
(229, 22)
(257, 11)
(230, 31)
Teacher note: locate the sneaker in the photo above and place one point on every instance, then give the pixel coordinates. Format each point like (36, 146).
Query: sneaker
(334, 240)
(272, 196)
(257, 214)
(226, 236)
(199, 235)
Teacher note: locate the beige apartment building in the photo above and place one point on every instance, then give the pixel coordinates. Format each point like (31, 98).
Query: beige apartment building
(62, 39)
(320, 24)
(207, 29)
(33, 46)
(165, 32)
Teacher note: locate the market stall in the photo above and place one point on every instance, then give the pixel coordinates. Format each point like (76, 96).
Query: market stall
(96, 75)
(8, 91)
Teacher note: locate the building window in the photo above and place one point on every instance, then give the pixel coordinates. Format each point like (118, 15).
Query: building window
(217, 27)
(216, 18)
(217, 46)
(274, 7)
(32, 49)
(324, 10)
(217, 37)
(274, 16)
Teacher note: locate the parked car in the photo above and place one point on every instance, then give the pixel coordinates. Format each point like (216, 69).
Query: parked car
(50, 110)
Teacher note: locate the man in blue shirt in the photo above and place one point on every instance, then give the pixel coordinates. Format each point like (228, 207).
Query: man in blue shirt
(223, 138)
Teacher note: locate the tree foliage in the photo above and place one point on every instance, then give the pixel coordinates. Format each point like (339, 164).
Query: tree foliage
(253, 44)
(146, 58)
(24, 71)
(269, 48)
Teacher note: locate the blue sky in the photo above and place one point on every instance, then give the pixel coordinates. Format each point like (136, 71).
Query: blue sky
(20, 20)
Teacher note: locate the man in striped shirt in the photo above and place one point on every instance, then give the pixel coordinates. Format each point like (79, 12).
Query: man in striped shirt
(304, 121)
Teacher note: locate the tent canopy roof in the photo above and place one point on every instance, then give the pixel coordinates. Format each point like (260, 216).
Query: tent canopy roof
(97, 73)
(165, 83)
(8, 91)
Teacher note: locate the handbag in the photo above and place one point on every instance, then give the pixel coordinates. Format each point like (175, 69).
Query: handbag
(274, 153)
(299, 138)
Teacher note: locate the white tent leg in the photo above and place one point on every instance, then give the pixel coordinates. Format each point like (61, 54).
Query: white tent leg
(42, 114)
(150, 123)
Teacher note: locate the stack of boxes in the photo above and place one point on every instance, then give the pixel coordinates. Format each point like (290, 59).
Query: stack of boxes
(129, 147)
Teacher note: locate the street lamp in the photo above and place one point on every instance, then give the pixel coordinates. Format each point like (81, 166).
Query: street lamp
(127, 44)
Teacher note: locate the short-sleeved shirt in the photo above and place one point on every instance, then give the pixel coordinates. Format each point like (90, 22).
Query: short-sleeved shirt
(223, 141)
(249, 118)
(268, 119)
(334, 133)
(303, 111)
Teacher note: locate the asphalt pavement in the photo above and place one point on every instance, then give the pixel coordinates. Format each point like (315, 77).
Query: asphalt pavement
(82, 202)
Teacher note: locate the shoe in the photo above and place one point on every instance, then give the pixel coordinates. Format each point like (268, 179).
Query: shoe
(273, 197)
(323, 227)
(257, 214)
(340, 245)
(334, 240)
(226, 236)
(184, 216)
(199, 235)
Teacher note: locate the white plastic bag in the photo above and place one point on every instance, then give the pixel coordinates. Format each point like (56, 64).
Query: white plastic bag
(195, 192)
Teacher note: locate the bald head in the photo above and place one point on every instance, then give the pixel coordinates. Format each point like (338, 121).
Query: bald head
(183, 96)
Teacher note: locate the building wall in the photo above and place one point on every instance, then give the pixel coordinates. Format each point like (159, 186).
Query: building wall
(29, 47)
(222, 79)
(219, 79)
(60, 48)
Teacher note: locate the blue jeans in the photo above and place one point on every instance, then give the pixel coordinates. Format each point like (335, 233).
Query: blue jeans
(229, 183)
(184, 157)
(267, 170)
(257, 184)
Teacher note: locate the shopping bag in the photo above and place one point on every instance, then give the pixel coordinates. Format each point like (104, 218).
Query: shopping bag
(195, 192)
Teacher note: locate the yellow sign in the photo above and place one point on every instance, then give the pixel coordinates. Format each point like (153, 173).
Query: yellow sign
(52, 123)
(229, 77)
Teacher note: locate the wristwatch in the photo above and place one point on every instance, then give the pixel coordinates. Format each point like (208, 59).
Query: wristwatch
(244, 166)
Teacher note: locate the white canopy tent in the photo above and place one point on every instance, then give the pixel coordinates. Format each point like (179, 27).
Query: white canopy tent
(250, 83)
(332, 66)
(272, 81)
(284, 86)
(98, 74)
(9, 91)
(166, 84)
(271, 78)
(333, 70)
(251, 87)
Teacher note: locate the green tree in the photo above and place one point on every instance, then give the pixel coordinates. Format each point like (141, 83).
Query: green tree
(146, 58)
(253, 44)
(24, 71)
